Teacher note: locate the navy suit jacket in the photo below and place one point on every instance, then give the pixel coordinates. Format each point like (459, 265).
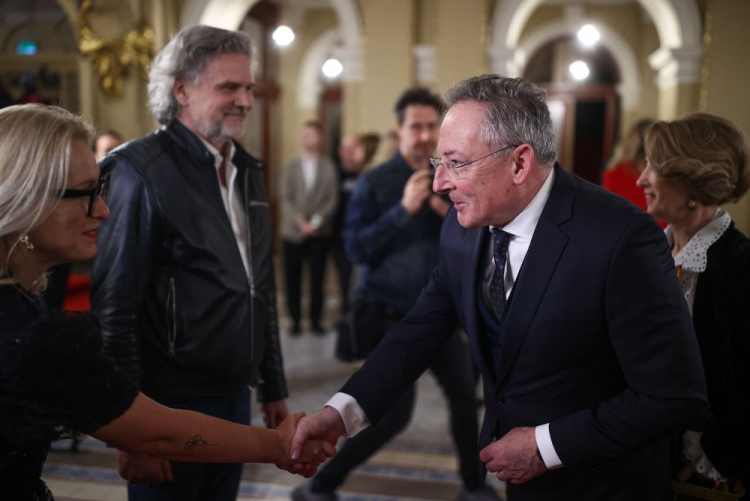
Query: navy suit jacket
(598, 343)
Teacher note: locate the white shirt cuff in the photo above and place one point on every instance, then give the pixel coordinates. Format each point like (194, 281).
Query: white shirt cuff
(546, 449)
(316, 221)
(351, 413)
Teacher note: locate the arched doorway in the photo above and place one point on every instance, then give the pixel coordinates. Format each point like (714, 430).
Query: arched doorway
(673, 53)
(313, 91)
(38, 58)
(584, 114)
(228, 14)
(677, 23)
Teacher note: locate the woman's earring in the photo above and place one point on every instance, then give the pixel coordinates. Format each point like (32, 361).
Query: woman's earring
(24, 239)
(692, 204)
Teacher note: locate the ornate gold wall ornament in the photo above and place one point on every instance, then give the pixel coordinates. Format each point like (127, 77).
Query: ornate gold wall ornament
(112, 58)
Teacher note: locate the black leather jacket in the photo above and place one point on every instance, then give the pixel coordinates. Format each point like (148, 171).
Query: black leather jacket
(177, 310)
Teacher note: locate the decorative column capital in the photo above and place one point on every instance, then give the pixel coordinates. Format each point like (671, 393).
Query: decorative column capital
(676, 65)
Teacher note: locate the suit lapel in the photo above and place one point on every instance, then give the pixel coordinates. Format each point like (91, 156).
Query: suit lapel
(473, 252)
(547, 245)
(300, 187)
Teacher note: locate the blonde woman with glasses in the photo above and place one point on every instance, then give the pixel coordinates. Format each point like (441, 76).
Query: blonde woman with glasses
(54, 379)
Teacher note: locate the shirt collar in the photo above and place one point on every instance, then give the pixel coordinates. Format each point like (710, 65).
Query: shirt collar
(217, 154)
(524, 224)
(692, 257)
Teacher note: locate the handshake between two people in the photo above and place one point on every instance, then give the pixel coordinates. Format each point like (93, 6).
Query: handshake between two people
(291, 442)
(308, 441)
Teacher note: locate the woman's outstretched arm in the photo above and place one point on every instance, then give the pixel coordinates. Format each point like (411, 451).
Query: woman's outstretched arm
(151, 428)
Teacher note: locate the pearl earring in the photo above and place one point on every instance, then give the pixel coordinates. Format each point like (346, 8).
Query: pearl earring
(692, 204)
(24, 239)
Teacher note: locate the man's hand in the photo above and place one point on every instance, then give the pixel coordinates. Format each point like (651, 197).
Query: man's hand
(326, 424)
(308, 230)
(514, 457)
(312, 454)
(274, 413)
(143, 469)
(417, 190)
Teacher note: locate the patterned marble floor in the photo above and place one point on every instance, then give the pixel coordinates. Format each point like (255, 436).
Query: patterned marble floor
(419, 464)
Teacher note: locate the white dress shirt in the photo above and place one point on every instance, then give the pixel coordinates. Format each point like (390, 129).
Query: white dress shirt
(309, 174)
(230, 197)
(521, 228)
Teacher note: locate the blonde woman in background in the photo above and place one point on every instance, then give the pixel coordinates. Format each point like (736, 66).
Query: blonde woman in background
(627, 163)
(368, 143)
(386, 148)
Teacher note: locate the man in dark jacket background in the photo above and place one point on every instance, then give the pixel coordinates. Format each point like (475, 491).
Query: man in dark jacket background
(183, 283)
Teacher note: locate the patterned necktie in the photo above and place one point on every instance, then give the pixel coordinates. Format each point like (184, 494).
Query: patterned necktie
(500, 241)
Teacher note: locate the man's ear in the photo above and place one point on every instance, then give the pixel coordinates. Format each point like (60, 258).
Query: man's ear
(523, 163)
(180, 91)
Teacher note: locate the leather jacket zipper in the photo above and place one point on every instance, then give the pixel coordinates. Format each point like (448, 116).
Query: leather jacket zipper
(251, 279)
(171, 318)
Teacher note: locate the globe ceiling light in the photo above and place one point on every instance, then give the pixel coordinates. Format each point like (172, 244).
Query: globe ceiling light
(579, 70)
(283, 36)
(588, 35)
(332, 68)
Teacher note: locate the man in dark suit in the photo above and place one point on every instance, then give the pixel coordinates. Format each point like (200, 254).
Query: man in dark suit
(569, 298)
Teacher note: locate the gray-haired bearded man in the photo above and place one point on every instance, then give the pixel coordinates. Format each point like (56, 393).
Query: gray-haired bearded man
(183, 283)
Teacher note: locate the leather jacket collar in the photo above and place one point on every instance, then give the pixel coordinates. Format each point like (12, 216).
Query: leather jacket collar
(190, 142)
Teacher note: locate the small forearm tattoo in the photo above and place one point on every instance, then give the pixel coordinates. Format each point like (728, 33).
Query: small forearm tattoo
(196, 441)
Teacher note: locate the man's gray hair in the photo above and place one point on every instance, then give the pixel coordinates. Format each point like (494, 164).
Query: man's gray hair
(185, 57)
(516, 113)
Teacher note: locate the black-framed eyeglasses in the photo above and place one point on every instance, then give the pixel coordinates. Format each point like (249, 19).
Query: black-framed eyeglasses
(100, 190)
(452, 167)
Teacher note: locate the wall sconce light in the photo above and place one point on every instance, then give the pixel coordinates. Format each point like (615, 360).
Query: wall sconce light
(588, 35)
(579, 70)
(332, 68)
(283, 36)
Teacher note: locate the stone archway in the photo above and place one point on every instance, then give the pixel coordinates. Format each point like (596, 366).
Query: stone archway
(228, 14)
(629, 88)
(677, 23)
(308, 83)
(70, 7)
